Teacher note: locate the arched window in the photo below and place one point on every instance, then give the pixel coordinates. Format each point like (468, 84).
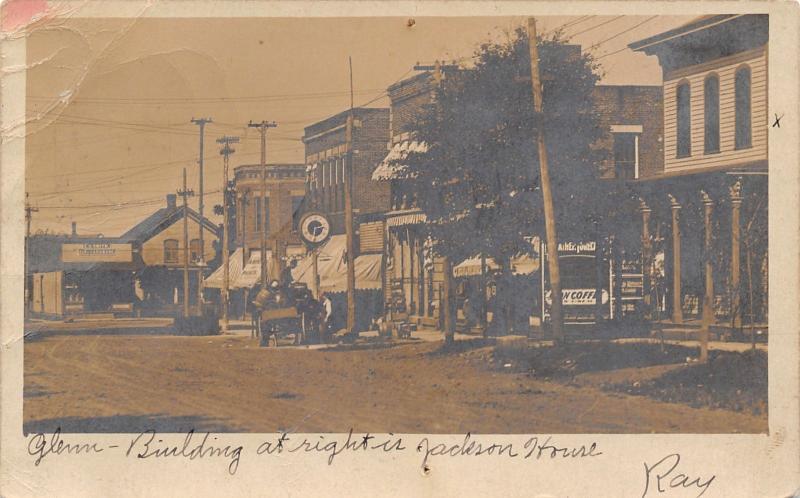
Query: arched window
(684, 117)
(170, 251)
(711, 114)
(743, 119)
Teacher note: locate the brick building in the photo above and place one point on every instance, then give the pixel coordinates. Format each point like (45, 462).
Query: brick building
(325, 150)
(632, 116)
(413, 278)
(284, 196)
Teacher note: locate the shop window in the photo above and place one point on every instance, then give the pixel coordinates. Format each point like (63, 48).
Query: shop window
(743, 138)
(684, 131)
(711, 114)
(171, 251)
(195, 250)
(626, 161)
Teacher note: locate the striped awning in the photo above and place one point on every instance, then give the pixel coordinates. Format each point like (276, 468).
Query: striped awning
(235, 265)
(392, 166)
(332, 268)
(399, 220)
(523, 264)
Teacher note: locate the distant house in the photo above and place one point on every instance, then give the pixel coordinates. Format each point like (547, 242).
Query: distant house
(159, 239)
(139, 272)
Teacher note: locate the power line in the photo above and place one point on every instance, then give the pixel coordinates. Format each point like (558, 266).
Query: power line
(199, 100)
(596, 45)
(596, 26)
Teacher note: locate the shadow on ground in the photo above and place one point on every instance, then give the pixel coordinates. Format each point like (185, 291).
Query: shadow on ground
(127, 424)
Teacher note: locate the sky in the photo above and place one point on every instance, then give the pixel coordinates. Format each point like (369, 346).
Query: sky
(110, 101)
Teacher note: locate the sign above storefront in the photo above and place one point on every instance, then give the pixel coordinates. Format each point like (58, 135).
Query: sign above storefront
(96, 252)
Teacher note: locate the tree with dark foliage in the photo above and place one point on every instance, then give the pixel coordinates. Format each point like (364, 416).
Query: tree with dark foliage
(477, 177)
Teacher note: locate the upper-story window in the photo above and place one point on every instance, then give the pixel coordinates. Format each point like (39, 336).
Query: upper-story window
(743, 138)
(684, 120)
(711, 114)
(259, 213)
(171, 251)
(195, 250)
(626, 151)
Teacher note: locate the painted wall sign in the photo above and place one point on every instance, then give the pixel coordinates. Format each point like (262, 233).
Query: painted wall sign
(96, 252)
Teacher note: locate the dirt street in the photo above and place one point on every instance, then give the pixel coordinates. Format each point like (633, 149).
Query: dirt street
(97, 383)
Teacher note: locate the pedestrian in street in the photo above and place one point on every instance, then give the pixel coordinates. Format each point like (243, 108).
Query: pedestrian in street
(327, 316)
(253, 310)
(286, 274)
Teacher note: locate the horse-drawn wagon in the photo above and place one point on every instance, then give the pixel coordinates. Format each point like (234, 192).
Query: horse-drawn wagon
(290, 311)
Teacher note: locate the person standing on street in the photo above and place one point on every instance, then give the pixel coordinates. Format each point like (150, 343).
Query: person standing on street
(253, 310)
(327, 316)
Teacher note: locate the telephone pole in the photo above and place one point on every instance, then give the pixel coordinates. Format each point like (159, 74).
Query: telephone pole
(556, 317)
(29, 210)
(201, 122)
(262, 127)
(184, 192)
(225, 152)
(348, 214)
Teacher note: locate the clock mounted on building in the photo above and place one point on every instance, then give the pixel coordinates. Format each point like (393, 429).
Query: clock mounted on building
(315, 228)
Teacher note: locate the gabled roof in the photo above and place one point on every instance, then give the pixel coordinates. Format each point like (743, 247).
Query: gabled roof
(160, 220)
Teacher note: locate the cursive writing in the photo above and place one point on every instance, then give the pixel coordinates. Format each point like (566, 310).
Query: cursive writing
(534, 449)
(40, 446)
(145, 445)
(663, 470)
(332, 447)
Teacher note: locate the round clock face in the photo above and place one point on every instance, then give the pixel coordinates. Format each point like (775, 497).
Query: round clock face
(315, 228)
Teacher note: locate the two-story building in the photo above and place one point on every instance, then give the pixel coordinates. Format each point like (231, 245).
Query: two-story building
(160, 244)
(412, 283)
(327, 154)
(715, 165)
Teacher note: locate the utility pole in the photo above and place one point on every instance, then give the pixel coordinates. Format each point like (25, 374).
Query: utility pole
(263, 126)
(348, 214)
(29, 210)
(225, 152)
(556, 316)
(184, 192)
(201, 122)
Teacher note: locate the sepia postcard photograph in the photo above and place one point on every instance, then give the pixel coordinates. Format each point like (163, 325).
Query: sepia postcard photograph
(459, 223)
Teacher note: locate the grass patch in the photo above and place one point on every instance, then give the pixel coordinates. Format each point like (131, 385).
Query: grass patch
(581, 357)
(731, 381)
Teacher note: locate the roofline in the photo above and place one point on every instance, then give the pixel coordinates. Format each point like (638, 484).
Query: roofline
(682, 30)
(271, 166)
(406, 81)
(340, 116)
(629, 86)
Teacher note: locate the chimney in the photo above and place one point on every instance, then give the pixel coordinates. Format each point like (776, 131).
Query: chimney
(172, 201)
(74, 229)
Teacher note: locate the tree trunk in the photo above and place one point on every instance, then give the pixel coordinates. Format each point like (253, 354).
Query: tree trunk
(447, 301)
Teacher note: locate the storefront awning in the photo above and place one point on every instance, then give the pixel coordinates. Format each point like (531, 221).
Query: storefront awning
(403, 219)
(234, 271)
(332, 268)
(392, 166)
(520, 265)
(251, 274)
(472, 266)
